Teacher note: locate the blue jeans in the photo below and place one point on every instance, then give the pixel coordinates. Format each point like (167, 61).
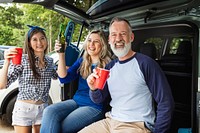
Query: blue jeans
(68, 117)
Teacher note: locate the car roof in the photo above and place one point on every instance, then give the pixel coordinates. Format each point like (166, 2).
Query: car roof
(4, 47)
(91, 12)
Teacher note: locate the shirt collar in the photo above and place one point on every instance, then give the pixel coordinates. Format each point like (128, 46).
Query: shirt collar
(46, 60)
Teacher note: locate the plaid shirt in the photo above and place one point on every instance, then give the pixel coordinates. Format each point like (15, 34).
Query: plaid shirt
(31, 88)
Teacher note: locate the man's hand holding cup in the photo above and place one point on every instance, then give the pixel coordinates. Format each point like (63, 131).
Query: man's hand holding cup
(98, 78)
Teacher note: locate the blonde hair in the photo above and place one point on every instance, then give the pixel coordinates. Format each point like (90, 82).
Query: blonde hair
(104, 55)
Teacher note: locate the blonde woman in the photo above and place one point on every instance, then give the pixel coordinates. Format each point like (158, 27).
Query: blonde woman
(72, 115)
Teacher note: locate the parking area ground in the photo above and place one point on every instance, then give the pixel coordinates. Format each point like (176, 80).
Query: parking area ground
(4, 127)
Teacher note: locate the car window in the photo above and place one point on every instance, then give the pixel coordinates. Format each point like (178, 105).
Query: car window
(83, 5)
(177, 43)
(1, 55)
(159, 42)
(2, 49)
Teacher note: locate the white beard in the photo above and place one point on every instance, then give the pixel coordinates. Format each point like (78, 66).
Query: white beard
(121, 52)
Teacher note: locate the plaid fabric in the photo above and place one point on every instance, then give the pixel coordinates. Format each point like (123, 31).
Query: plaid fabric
(31, 88)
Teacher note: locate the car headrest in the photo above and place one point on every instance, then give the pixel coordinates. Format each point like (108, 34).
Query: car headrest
(148, 49)
(184, 48)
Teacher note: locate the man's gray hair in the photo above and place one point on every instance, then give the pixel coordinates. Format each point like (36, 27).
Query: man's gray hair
(119, 19)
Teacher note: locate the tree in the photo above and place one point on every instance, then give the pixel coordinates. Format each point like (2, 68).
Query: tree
(50, 20)
(15, 18)
(11, 26)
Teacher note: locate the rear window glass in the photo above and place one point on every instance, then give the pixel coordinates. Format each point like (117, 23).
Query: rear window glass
(180, 46)
(1, 55)
(158, 44)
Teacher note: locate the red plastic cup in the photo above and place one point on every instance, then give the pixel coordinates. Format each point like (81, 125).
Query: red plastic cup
(18, 57)
(103, 76)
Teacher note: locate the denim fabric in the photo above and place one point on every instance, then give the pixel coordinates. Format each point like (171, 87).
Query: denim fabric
(27, 114)
(67, 117)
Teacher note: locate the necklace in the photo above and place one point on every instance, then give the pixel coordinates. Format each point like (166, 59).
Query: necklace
(41, 64)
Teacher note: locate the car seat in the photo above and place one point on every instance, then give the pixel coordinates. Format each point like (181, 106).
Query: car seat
(178, 70)
(181, 61)
(184, 48)
(149, 49)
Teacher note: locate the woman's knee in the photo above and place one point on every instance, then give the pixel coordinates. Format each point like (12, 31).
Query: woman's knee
(49, 110)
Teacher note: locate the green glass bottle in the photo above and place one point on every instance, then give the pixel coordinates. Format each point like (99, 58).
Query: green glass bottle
(61, 38)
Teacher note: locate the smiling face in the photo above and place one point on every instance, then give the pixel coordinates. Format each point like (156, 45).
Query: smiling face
(38, 43)
(120, 38)
(94, 44)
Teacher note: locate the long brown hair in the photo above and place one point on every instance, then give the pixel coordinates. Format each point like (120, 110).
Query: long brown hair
(104, 55)
(28, 50)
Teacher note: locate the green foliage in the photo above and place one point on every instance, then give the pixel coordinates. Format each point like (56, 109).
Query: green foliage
(82, 4)
(14, 20)
(11, 25)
